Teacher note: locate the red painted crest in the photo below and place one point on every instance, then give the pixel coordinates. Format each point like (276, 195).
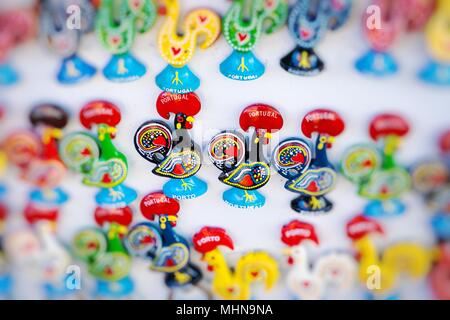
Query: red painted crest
(388, 124)
(35, 214)
(360, 226)
(100, 112)
(188, 104)
(322, 121)
(295, 232)
(122, 216)
(209, 238)
(262, 117)
(157, 203)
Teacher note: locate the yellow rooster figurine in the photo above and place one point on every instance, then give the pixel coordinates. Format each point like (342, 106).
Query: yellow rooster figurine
(178, 49)
(251, 268)
(380, 272)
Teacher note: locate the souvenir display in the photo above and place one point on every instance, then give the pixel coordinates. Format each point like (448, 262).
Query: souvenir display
(64, 39)
(333, 271)
(167, 251)
(437, 37)
(243, 25)
(381, 272)
(200, 27)
(242, 161)
(309, 173)
(17, 25)
(178, 158)
(234, 283)
(373, 168)
(117, 25)
(308, 22)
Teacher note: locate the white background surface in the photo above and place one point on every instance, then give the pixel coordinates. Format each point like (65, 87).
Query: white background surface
(355, 97)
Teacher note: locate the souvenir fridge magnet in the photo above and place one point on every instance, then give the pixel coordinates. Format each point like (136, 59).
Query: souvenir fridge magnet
(334, 271)
(201, 27)
(309, 173)
(178, 158)
(16, 26)
(374, 169)
(243, 25)
(437, 35)
(394, 263)
(234, 283)
(157, 241)
(308, 23)
(64, 40)
(117, 25)
(242, 162)
(96, 157)
(378, 61)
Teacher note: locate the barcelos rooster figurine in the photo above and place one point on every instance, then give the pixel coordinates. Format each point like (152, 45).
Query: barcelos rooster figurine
(308, 23)
(107, 260)
(309, 173)
(35, 153)
(117, 24)
(96, 157)
(234, 283)
(176, 158)
(381, 36)
(201, 27)
(392, 264)
(167, 251)
(242, 162)
(17, 25)
(374, 170)
(243, 25)
(64, 39)
(437, 35)
(335, 271)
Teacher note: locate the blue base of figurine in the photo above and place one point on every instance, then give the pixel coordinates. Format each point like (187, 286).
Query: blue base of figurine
(242, 199)
(114, 290)
(53, 292)
(124, 68)
(388, 208)
(377, 63)
(177, 80)
(118, 197)
(303, 204)
(441, 226)
(8, 75)
(242, 66)
(183, 189)
(74, 70)
(5, 285)
(51, 198)
(436, 73)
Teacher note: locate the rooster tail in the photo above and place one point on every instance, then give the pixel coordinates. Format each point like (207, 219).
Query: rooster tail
(203, 23)
(258, 267)
(412, 259)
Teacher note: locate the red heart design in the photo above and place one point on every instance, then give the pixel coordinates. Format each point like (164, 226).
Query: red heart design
(313, 187)
(254, 274)
(178, 169)
(305, 33)
(170, 262)
(242, 36)
(92, 245)
(202, 19)
(367, 163)
(246, 181)
(106, 178)
(298, 158)
(109, 271)
(146, 240)
(160, 141)
(230, 290)
(115, 40)
(86, 152)
(232, 152)
(176, 51)
(306, 283)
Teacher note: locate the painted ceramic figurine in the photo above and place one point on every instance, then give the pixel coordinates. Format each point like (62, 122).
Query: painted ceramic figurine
(308, 23)
(242, 162)
(96, 157)
(374, 170)
(178, 158)
(334, 271)
(391, 265)
(107, 260)
(234, 283)
(16, 26)
(438, 36)
(243, 25)
(200, 27)
(309, 173)
(117, 24)
(64, 39)
(167, 251)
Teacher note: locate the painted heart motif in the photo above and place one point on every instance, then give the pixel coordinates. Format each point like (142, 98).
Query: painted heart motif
(106, 178)
(202, 19)
(312, 187)
(176, 51)
(232, 152)
(92, 245)
(178, 169)
(136, 4)
(159, 141)
(109, 271)
(230, 289)
(115, 40)
(246, 181)
(86, 152)
(305, 33)
(298, 158)
(270, 4)
(242, 36)
(146, 240)
(254, 274)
